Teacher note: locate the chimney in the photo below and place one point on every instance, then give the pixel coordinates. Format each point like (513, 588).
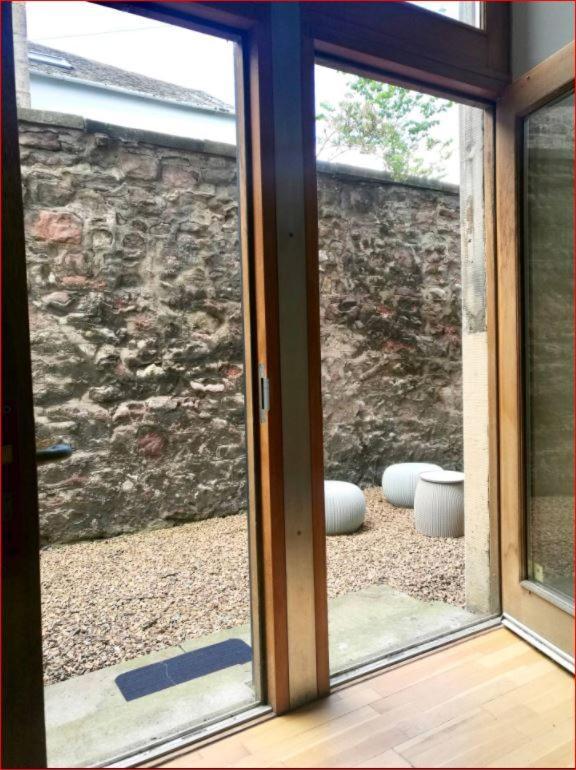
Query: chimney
(21, 54)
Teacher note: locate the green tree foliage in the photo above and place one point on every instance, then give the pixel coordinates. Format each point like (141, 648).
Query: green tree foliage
(389, 122)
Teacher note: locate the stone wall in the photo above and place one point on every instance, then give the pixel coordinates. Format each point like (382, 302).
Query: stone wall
(134, 274)
(390, 324)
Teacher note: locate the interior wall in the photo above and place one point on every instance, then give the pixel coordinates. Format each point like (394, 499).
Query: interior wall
(538, 30)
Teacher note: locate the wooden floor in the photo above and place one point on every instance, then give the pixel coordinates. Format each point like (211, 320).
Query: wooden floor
(491, 701)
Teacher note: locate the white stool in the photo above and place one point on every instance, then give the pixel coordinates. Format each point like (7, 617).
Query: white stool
(399, 482)
(439, 504)
(344, 506)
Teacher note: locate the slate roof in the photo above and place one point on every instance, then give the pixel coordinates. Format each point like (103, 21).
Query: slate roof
(114, 77)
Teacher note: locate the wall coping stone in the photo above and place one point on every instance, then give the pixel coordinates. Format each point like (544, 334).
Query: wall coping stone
(207, 147)
(341, 170)
(63, 120)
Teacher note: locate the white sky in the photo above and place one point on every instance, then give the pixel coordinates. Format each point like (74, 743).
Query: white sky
(449, 8)
(134, 43)
(182, 56)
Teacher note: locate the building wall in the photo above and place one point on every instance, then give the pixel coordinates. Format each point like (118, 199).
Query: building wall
(134, 275)
(125, 109)
(538, 30)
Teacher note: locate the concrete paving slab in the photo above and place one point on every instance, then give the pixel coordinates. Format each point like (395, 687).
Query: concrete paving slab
(88, 721)
(380, 620)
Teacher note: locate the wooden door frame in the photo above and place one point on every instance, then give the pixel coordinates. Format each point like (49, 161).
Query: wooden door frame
(377, 67)
(23, 733)
(365, 35)
(543, 83)
(291, 521)
(249, 24)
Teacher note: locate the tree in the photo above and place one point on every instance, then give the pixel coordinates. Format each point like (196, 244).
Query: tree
(389, 122)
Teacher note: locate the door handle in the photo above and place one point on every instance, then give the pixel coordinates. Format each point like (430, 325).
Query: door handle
(52, 453)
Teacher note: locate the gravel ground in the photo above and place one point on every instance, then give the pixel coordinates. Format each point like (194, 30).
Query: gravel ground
(106, 601)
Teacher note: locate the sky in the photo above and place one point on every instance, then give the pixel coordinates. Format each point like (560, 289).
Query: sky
(184, 57)
(448, 8)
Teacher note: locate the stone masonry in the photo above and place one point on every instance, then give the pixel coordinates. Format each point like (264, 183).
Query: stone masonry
(136, 324)
(390, 325)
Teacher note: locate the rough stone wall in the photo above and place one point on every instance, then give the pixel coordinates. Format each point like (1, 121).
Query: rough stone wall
(134, 275)
(391, 326)
(136, 329)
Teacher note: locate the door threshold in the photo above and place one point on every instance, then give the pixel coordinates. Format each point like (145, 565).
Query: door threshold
(226, 727)
(408, 654)
(192, 738)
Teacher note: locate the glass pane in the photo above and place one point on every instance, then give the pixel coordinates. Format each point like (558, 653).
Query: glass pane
(467, 11)
(135, 287)
(549, 340)
(404, 348)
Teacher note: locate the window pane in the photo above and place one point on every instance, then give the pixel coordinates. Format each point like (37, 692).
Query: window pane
(404, 362)
(549, 339)
(468, 12)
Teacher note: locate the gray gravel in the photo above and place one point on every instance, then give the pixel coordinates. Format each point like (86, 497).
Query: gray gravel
(110, 600)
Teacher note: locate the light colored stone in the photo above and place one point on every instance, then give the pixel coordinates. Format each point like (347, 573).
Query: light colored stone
(58, 227)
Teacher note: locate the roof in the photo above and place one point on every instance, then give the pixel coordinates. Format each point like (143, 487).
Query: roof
(66, 66)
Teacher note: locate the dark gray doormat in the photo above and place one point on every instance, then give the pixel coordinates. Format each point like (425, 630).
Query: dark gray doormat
(182, 668)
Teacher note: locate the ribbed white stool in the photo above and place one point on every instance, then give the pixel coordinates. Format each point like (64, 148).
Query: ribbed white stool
(344, 507)
(439, 504)
(399, 482)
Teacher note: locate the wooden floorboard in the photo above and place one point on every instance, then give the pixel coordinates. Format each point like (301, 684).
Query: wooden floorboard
(490, 701)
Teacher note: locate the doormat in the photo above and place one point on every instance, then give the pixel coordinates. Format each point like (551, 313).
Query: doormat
(182, 668)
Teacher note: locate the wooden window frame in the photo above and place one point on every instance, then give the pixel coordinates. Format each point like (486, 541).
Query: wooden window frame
(420, 46)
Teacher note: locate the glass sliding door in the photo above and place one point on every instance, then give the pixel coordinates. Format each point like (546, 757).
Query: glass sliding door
(548, 266)
(136, 283)
(402, 277)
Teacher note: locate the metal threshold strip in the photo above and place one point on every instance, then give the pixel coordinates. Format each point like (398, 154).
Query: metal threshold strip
(187, 739)
(537, 641)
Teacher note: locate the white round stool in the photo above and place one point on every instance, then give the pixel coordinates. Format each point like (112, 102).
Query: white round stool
(344, 506)
(439, 504)
(399, 482)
